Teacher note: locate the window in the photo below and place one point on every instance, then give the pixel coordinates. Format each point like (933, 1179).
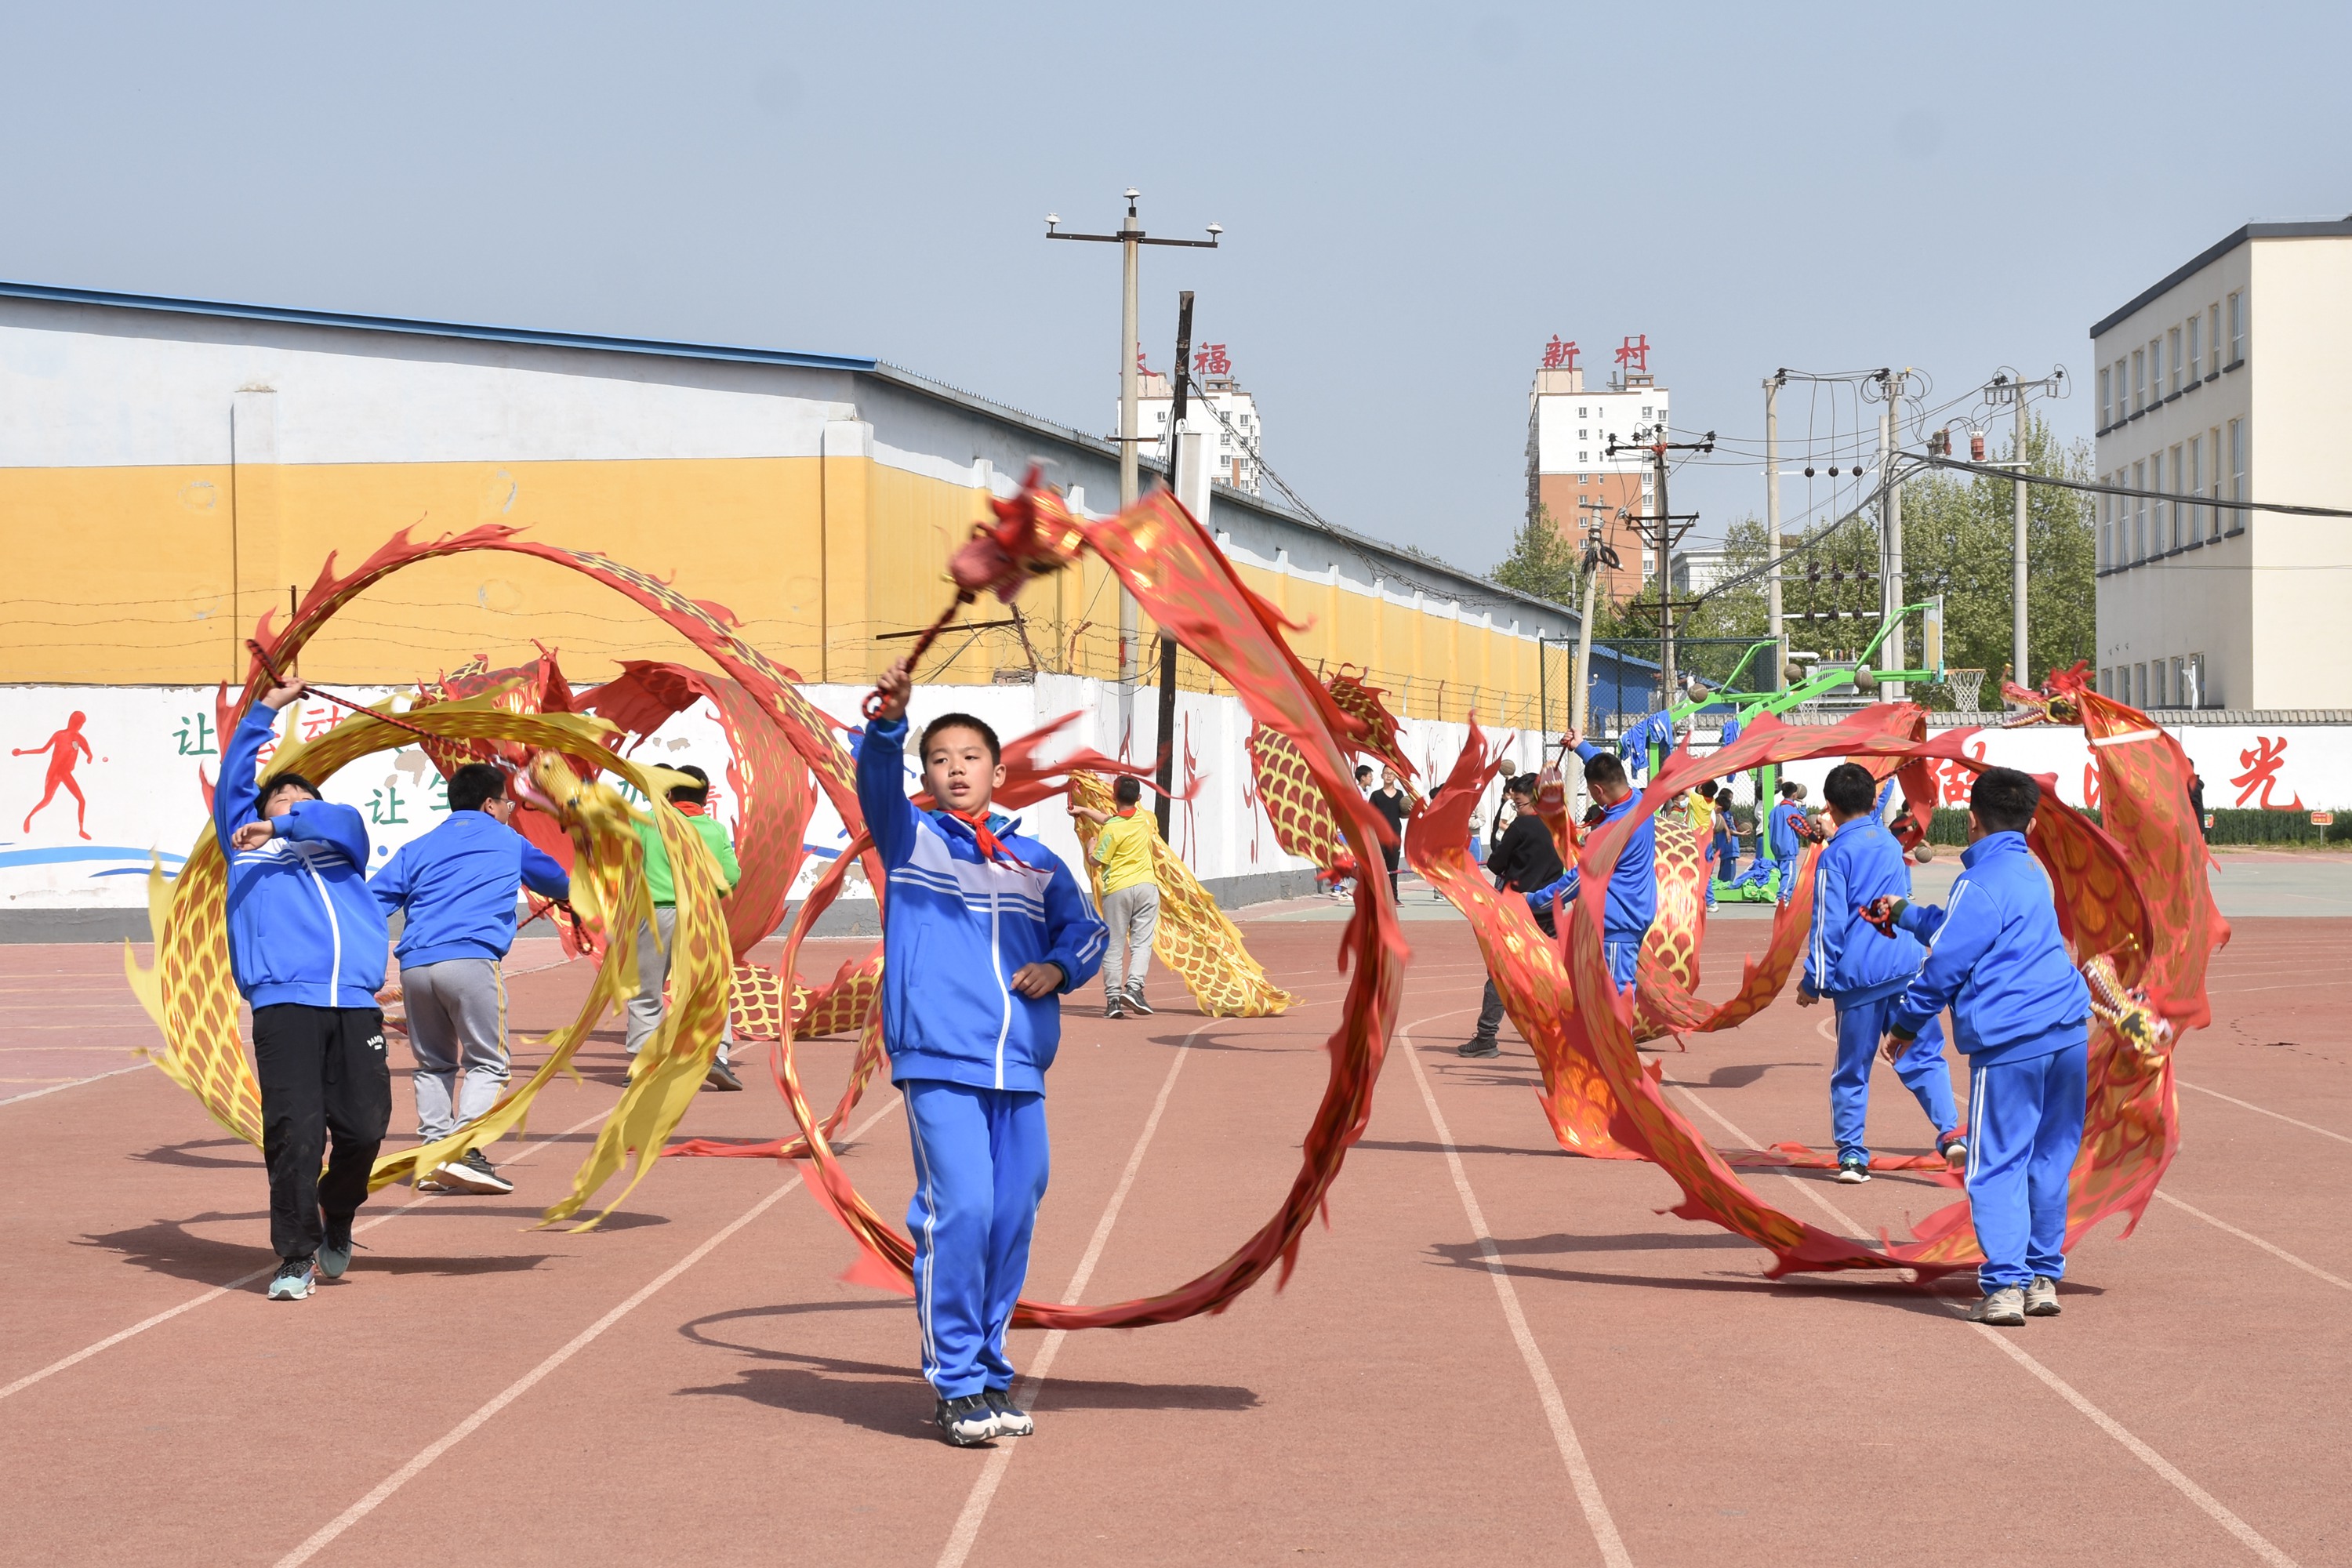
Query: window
(2192, 695)
(2103, 397)
(1580, 414)
(2106, 527)
(2140, 514)
(2176, 686)
(2181, 532)
(2213, 482)
(2172, 357)
(1583, 458)
(1645, 412)
(2154, 372)
(2237, 326)
(2140, 380)
(2213, 335)
(2157, 543)
(2106, 683)
(1583, 436)
(1227, 439)
(2139, 686)
(2196, 485)
(2123, 389)
(2196, 359)
(2238, 459)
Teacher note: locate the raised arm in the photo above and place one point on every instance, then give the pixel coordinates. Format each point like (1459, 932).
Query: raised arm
(341, 828)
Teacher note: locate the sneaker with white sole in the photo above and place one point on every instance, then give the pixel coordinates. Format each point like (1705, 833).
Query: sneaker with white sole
(296, 1277)
(2003, 1309)
(335, 1249)
(1115, 1008)
(722, 1078)
(1136, 1004)
(1852, 1171)
(1012, 1421)
(471, 1173)
(2041, 1298)
(966, 1422)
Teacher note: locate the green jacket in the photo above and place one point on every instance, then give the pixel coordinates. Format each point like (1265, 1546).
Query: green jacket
(657, 876)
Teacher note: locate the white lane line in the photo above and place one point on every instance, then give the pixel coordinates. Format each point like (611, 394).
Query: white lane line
(2280, 1253)
(408, 1472)
(242, 1280)
(1571, 1451)
(966, 1533)
(2249, 1105)
(2212, 1506)
(75, 1083)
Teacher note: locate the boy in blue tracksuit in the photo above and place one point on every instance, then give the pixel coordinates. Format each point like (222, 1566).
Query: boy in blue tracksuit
(983, 929)
(306, 944)
(1633, 885)
(2020, 1013)
(456, 888)
(1863, 974)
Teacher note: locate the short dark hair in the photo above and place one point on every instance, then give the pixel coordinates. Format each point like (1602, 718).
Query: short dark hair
(1723, 797)
(1791, 789)
(277, 781)
(696, 794)
(2005, 800)
(1604, 768)
(474, 785)
(961, 721)
(1127, 790)
(1525, 785)
(1850, 788)
(1364, 772)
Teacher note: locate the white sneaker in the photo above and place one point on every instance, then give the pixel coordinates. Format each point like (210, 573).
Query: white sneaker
(2041, 1298)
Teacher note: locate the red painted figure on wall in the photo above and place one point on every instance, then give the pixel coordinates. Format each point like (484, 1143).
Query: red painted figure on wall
(67, 748)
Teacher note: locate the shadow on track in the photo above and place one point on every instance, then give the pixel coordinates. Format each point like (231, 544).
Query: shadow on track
(893, 1400)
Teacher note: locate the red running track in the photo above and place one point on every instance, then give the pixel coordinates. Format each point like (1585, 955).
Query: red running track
(1496, 1354)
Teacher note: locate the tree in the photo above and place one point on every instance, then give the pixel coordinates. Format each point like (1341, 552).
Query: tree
(1957, 538)
(1542, 561)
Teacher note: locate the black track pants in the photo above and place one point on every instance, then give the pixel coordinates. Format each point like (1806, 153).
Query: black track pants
(1490, 1010)
(322, 1071)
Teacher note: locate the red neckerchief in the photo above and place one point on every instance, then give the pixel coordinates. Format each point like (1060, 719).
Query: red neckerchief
(990, 847)
(688, 807)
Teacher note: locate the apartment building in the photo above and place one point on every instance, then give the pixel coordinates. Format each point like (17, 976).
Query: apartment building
(2223, 382)
(1572, 473)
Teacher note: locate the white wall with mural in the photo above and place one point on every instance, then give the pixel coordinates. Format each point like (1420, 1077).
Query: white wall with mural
(101, 778)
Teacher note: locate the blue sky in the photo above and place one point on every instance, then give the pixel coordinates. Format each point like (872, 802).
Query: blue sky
(1416, 198)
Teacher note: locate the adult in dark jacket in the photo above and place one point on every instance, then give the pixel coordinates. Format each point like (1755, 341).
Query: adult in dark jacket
(1524, 858)
(1395, 807)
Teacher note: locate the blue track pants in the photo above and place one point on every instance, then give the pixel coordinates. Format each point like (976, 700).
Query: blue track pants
(1623, 957)
(2025, 1125)
(980, 1163)
(1860, 1027)
(1727, 856)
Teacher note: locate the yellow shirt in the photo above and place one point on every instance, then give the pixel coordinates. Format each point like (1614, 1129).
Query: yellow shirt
(1123, 849)
(1702, 815)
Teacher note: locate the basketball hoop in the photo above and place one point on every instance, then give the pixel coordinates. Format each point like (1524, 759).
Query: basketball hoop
(1965, 684)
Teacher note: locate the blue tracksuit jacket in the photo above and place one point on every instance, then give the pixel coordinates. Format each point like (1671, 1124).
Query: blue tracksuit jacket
(1787, 844)
(1846, 959)
(458, 884)
(1996, 958)
(1632, 887)
(955, 929)
(301, 926)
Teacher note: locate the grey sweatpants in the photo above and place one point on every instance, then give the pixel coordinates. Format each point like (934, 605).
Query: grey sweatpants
(1133, 915)
(645, 1008)
(458, 1028)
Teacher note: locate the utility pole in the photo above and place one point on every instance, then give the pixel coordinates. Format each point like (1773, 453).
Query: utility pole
(1773, 627)
(1179, 456)
(1594, 556)
(1129, 238)
(2008, 387)
(1891, 385)
(1663, 540)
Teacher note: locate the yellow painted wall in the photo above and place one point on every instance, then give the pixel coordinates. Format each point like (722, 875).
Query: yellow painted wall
(155, 575)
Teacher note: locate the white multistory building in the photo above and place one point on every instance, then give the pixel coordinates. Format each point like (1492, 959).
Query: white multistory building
(2225, 382)
(1570, 472)
(1228, 424)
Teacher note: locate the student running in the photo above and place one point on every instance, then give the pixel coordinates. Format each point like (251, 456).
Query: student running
(983, 928)
(455, 887)
(1863, 974)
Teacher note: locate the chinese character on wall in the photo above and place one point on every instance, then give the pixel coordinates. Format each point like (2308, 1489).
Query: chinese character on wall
(1636, 356)
(1559, 355)
(1211, 360)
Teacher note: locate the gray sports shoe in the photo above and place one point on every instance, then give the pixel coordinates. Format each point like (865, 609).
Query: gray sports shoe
(1136, 1004)
(335, 1249)
(2041, 1298)
(296, 1277)
(966, 1422)
(2003, 1309)
(1012, 1421)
